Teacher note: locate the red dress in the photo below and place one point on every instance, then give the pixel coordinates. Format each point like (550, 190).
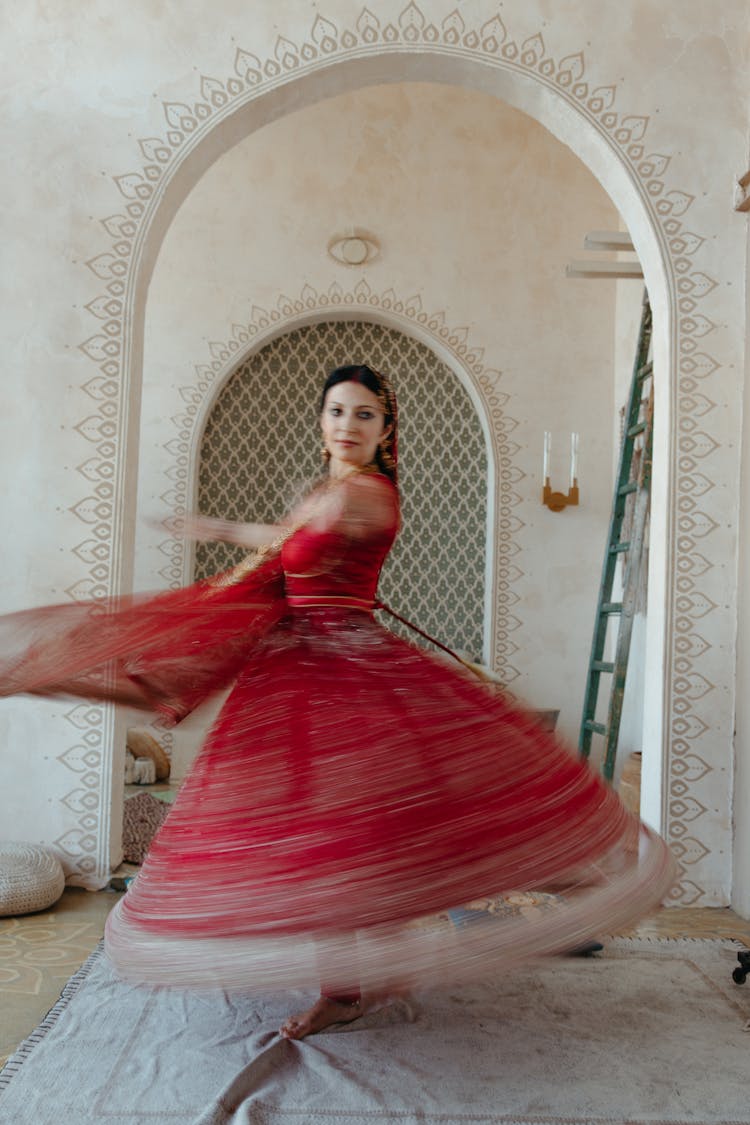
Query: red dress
(354, 788)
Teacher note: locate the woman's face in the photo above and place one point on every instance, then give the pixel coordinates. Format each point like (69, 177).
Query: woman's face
(353, 423)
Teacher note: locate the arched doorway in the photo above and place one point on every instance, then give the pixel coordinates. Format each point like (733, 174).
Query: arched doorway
(556, 96)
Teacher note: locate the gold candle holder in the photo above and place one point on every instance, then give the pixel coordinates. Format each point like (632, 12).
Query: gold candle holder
(557, 501)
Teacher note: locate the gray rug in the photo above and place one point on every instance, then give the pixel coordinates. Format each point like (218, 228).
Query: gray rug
(647, 1032)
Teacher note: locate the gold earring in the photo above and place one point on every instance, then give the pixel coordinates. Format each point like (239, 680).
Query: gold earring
(325, 454)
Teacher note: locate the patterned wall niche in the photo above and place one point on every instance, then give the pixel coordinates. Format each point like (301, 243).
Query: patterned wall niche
(261, 449)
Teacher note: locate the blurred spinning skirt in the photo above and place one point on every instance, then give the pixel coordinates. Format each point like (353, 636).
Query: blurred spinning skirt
(352, 791)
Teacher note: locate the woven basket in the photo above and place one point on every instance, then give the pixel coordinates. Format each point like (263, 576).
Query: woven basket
(31, 878)
(143, 745)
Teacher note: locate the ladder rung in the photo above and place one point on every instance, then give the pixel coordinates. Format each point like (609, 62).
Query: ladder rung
(602, 666)
(638, 428)
(626, 489)
(619, 548)
(645, 371)
(611, 607)
(597, 728)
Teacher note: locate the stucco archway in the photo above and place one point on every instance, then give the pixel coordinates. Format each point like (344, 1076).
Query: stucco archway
(559, 96)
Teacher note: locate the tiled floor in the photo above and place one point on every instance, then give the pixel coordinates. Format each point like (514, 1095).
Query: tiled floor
(39, 952)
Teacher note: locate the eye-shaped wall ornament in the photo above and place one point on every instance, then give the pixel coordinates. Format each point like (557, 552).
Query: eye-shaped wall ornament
(356, 248)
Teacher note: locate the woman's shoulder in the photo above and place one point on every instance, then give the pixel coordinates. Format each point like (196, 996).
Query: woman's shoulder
(370, 499)
(371, 485)
(372, 480)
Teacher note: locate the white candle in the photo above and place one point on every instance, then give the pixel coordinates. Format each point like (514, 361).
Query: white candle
(573, 459)
(547, 450)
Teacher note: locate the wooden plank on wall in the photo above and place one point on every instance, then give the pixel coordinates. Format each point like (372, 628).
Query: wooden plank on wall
(608, 240)
(611, 270)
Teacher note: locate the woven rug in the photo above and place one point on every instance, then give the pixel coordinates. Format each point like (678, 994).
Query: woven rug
(647, 1032)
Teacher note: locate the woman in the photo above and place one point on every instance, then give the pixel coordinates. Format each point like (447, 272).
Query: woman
(353, 788)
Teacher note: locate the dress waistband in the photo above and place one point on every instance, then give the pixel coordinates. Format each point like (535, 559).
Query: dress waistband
(314, 600)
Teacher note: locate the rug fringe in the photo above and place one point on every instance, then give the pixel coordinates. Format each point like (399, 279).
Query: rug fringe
(656, 939)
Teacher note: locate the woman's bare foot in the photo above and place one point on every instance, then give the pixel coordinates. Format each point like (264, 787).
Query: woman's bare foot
(323, 1013)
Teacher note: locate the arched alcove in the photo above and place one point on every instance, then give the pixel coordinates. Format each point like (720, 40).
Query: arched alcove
(260, 447)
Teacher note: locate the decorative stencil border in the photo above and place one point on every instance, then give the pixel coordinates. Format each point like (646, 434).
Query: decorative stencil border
(694, 549)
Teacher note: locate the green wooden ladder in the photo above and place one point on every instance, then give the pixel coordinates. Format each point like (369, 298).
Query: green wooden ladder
(637, 434)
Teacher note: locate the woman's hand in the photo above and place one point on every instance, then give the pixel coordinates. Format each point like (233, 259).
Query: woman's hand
(209, 528)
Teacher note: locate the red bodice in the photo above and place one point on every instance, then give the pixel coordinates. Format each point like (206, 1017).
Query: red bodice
(340, 555)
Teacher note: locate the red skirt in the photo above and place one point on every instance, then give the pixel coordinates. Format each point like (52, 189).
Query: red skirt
(352, 791)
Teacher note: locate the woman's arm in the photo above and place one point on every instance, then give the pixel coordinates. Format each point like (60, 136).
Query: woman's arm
(249, 535)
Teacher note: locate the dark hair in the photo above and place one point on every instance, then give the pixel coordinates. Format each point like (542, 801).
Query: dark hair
(381, 388)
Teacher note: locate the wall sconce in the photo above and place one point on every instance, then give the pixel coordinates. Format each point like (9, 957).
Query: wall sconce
(557, 501)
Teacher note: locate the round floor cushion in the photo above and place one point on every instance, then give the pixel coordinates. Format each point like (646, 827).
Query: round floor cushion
(143, 745)
(31, 878)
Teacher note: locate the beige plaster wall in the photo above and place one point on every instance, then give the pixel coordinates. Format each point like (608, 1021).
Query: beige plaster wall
(86, 90)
